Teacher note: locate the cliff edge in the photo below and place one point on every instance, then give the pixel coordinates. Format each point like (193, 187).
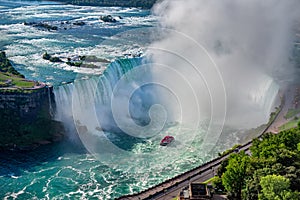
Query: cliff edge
(26, 109)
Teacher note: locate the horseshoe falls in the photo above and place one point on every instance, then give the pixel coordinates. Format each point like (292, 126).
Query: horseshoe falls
(134, 162)
(67, 170)
(109, 161)
(80, 99)
(85, 108)
(116, 115)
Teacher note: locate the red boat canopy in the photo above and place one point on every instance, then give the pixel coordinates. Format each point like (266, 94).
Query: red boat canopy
(166, 140)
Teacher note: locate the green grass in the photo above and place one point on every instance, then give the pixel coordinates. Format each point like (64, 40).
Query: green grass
(291, 113)
(16, 81)
(289, 125)
(274, 114)
(22, 83)
(210, 180)
(4, 77)
(228, 151)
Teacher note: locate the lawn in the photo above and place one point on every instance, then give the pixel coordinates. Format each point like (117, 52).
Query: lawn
(16, 81)
(291, 113)
(289, 125)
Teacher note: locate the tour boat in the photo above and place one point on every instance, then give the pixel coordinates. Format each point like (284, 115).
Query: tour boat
(167, 140)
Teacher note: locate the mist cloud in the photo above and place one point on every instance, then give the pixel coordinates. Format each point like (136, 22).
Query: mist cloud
(249, 41)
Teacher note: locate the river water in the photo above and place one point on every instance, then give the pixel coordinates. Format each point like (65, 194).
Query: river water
(70, 170)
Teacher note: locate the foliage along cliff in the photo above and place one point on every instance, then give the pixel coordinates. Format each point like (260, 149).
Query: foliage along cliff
(25, 110)
(122, 3)
(271, 171)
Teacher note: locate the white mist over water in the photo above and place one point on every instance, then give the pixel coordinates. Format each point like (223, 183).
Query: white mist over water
(79, 175)
(118, 101)
(216, 62)
(209, 64)
(119, 116)
(249, 41)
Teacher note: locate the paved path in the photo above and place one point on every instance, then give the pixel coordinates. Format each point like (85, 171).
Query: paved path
(172, 193)
(289, 103)
(35, 87)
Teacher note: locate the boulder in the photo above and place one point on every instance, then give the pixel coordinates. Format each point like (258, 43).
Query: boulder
(108, 18)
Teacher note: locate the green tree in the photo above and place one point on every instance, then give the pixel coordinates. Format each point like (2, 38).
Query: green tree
(274, 187)
(234, 177)
(222, 167)
(253, 182)
(6, 66)
(271, 172)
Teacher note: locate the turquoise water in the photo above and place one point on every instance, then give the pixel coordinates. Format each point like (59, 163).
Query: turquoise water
(25, 45)
(68, 170)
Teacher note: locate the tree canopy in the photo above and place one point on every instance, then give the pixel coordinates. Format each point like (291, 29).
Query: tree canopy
(270, 172)
(275, 187)
(6, 66)
(233, 178)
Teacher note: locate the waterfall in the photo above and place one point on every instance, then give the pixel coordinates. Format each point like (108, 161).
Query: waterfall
(124, 100)
(50, 101)
(265, 95)
(256, 102)
(87, 104)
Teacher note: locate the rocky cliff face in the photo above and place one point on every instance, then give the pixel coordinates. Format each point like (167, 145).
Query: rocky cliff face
(26, 119)
(28, 104)
(25, 110)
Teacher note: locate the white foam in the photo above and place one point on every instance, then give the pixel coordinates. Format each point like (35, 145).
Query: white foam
(14, 177)
(135, 21)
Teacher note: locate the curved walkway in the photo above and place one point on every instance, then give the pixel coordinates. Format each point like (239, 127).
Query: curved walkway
(35, 87)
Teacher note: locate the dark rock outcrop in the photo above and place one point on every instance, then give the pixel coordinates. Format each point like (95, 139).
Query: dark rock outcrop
(108, 18)
(41, 25)
(79, 23)
(47, 56)
(26, 111)
(26, 119)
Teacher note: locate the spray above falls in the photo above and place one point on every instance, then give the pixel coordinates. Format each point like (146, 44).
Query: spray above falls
(213, 63)
(249, 44)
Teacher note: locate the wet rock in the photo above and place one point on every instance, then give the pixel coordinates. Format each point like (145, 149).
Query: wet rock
(46, 56)
(55, 59)
(108, 18)
(79, 23)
